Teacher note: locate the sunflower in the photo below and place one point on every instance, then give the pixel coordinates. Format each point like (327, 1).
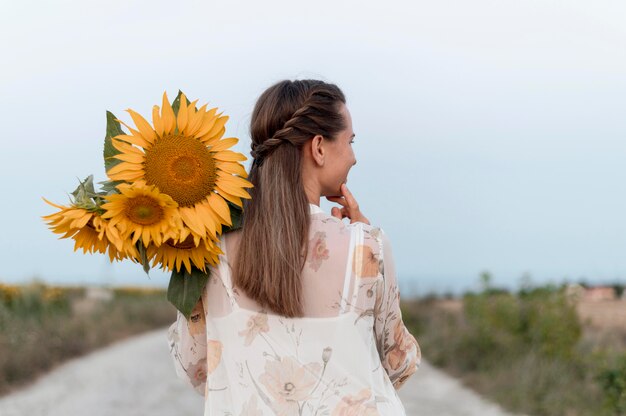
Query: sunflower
(68, 220)
(90, 233)
(141, 211)
(172, 254)
(185, 157)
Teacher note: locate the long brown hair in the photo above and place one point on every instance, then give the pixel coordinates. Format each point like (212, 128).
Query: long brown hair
(274, 241)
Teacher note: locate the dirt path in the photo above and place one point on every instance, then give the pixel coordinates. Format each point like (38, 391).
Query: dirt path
(136, 377)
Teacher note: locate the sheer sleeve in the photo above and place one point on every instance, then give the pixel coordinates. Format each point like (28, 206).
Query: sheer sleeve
(399, 351)
(188, 347)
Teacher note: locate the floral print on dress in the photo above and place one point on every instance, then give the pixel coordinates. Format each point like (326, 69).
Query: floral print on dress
(198, 373)
(188, 347)
(197, 321)
(399, 352)
(252, 363)
(214, 355)
(360, 404)
(317, 250)
(256, 324)
(288, 383)
(403, 343)
(365, 262)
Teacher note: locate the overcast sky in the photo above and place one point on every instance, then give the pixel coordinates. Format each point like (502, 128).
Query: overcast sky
(490, 135)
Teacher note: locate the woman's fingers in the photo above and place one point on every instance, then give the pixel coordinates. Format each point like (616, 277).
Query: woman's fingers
(338, 213)
(350, 208)
(352, 204)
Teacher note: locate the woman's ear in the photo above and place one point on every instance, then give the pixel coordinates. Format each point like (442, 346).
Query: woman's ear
(317, 149)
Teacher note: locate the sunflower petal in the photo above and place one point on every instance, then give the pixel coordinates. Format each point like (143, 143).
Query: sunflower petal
(53, 204)
(124, 146)
(167, 115)
(191, 220)
(135, 137)
(234, 180)
(195, 120)
(229, 156)
(129, 176)
(220, 206)
(234, 199)
(211, 140)
(156, 120)
(182, 118)
(235, 168)
(144, 127)
(224, 144)
(208, 121)
(124, 166)
(132, 158)
(221, 122)
(82, 221)
(208, 217)
(187, 264)
(232, 189)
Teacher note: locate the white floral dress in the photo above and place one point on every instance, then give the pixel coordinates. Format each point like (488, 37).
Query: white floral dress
(346, 357)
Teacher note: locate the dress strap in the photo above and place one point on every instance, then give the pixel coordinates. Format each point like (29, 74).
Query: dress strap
(356, 238)
(225, 275)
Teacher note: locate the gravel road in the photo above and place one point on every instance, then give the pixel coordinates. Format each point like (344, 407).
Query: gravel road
(136, 377)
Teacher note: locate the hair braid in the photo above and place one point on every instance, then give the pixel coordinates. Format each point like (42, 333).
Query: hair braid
(305, 121)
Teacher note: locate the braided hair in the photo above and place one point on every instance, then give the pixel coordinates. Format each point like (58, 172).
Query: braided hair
(274, 241)
(317, 114)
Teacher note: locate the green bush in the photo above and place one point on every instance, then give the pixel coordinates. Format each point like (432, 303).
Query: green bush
(612, 378)
(502, 323)
(523, 350)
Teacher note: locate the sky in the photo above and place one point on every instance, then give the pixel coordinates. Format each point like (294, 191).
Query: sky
(490, 135)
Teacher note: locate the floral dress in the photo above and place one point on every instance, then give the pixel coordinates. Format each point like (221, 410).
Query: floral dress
(347, 356)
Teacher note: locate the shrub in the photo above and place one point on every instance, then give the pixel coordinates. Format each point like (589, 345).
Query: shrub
(40, 326)
(612, 378)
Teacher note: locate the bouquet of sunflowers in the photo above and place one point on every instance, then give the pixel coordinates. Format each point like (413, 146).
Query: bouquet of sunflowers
(173, 187)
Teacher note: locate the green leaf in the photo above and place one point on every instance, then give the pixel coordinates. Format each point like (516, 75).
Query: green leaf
(143, 256)
(113, 129)
(176, 103)
(185, 289)
(109, 187)
(84, 193)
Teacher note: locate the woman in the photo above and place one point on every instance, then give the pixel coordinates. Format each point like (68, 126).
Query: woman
(302, 315)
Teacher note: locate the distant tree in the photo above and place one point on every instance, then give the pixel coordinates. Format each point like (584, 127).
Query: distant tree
(619, 289)
(485, 280)
(525, 283)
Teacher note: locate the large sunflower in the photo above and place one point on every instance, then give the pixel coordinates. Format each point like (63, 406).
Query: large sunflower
(185, 157)
(141, 211)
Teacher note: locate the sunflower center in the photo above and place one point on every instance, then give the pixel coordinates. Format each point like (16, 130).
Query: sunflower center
(181, 167)
(144, 210)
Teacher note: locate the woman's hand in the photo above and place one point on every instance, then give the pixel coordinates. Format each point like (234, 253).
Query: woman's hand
(350, 208)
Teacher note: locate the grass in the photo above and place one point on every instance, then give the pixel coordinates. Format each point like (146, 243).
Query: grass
(529, 352)
(43, 326)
